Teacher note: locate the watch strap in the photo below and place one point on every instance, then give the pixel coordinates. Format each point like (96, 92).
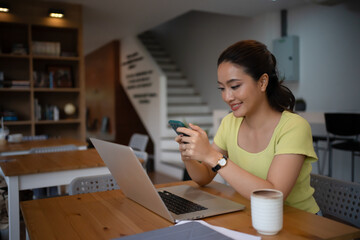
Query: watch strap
(217, 166)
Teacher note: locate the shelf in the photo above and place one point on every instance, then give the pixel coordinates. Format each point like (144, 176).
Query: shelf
(61, 121)
(62, 58)
(14, 89)
(17, 123)
(40, 51)
(9, 55)
(56, 89)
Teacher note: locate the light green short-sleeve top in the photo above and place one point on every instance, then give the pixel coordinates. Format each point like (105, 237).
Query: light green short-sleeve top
(292, 135)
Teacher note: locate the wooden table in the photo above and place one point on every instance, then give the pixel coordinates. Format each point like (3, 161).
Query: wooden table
(31, 171)
(25, 146)
(109, 214)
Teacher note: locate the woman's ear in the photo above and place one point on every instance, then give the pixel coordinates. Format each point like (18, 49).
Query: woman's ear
(263, 82)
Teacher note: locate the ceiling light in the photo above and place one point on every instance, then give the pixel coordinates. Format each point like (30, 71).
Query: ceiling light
(56, 13)
(4, 8)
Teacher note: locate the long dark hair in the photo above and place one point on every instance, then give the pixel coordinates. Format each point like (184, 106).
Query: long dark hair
(256, 60)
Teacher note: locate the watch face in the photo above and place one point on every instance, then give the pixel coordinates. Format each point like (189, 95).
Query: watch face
(222, 162)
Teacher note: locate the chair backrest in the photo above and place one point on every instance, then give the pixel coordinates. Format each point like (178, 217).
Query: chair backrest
(343, 124)
(139, 142)
(142, 155)
(337, 199)
(62, 148)
(90, 184)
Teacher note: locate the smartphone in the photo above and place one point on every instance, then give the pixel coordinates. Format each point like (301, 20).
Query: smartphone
(175, 124)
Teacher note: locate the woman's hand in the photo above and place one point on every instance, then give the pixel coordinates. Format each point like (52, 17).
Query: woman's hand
(196, 146)
(182, 147)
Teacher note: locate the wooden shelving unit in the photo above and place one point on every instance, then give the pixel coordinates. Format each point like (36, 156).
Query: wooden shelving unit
(62, 72)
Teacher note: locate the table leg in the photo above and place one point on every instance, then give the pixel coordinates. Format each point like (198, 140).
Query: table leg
(14, 208)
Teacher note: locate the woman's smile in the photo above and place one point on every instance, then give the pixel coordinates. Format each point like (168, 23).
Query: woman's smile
(235, 106)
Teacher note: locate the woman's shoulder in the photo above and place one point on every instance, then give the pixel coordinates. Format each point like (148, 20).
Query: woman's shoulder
(293, 119)
(291, 116)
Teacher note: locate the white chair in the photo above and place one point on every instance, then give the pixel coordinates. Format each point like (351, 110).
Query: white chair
(142, 155)
(38, 193)
(88, 184)
(139, 142)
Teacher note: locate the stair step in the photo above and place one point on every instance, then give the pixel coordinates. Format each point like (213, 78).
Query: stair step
(197, 119)
(184, 99)
(181, 90)
(159, 54)
(169, 134)
(174, 74)
(155, 48)
(152, 43)
(149, 42)
(177, 82)
(184, 104)
(147, 39)
(164, 60)
(156, 52)
(169, 145)
(171, 157)
(160, 59)
(179, 104)
(169, 67)
(185, 109)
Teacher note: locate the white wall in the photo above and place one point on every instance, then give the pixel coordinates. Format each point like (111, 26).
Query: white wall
(329, 50)
(329, 55)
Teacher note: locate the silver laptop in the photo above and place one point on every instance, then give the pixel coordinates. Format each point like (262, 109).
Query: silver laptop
(136, 185)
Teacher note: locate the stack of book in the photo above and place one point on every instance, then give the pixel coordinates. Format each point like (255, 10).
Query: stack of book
(46, 48)
(49, 112)
(14, 84)
(9, 115)
(37, 109)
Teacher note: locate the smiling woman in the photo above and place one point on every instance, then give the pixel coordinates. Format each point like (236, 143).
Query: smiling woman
(261, 143)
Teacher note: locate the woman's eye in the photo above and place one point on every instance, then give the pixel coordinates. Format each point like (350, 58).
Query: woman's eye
(235, 87)
(221, 88)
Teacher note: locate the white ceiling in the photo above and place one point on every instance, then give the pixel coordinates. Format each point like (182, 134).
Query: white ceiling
(105, 20)
(135, 9)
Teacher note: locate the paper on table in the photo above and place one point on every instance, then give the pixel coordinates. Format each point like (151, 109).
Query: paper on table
(227, 232)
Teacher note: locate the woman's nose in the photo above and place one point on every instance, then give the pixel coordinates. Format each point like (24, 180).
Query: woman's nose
(227, 95)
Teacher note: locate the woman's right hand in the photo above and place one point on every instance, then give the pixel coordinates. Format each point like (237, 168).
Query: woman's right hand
(182, 147)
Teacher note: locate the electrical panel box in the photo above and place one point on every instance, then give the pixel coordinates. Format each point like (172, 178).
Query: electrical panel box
(286, 51)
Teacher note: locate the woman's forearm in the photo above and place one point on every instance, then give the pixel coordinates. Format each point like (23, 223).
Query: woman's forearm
(198, 172)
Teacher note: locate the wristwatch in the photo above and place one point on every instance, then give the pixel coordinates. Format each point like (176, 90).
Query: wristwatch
(221, 163)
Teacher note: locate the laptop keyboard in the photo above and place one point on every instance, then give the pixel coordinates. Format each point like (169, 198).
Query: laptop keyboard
(179, 205)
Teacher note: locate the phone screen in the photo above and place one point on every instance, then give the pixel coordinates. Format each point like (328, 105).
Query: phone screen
(175, 124)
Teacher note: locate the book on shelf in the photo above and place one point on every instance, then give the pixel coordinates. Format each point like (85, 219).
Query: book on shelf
(56, 77)
(41, 79)
(49, 112)
(9, 115)
(46, 48)
(15, 84)
(37, 109)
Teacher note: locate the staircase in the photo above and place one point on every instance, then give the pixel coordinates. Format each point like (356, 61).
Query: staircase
(183, 102)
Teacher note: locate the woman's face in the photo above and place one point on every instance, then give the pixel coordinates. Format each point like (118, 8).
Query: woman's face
(239, 90)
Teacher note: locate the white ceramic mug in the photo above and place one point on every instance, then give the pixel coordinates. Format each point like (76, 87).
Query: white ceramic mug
(267, 211)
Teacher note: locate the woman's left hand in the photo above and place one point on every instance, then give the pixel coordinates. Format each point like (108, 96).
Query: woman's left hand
(196, 146)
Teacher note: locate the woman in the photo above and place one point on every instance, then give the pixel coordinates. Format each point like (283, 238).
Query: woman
(261, 143)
